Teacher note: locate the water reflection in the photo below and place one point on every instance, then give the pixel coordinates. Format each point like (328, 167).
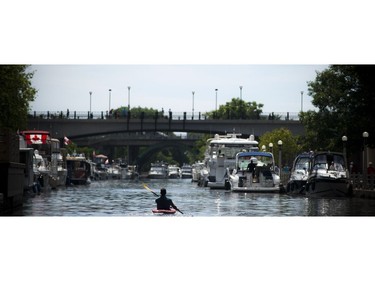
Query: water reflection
(129, 198)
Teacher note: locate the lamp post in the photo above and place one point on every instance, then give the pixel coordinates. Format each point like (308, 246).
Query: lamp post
(109, 104)
(270, 145)
(344, 140)
(192, 117)
(215, 99)
(128, 98)
(263, 147)
(365, 136)
(90, 102)
(280, 144)
(240, 102)
(301, 101)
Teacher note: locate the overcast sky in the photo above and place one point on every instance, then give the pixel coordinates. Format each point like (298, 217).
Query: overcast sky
(166, 87)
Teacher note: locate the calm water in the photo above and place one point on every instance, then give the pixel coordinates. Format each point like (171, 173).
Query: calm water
(129, 198)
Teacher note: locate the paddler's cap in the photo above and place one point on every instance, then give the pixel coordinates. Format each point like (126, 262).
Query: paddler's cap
(163, 191)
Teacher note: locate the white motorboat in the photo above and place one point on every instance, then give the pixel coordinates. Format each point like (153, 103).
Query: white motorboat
(328, 176)
(299, 174)
(220, 158)
(255, 173)
(174, 172)
(130, 172)
(196, 171)
(158, 170)
(48, 163)
(114, 172)
(41, 172)
(186, 171)
(59, 172)
(100, 163)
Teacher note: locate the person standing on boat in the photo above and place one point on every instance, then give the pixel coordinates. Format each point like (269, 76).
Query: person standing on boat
(251, 167)
(163, 202)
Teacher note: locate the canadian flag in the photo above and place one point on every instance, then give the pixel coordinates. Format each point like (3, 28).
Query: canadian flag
(36, 138)
(66, 140)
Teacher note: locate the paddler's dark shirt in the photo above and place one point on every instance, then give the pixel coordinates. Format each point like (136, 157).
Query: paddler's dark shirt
(164, 203)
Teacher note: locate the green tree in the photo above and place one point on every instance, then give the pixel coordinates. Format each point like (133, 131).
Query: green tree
(345, 98)
(237, 109)
(136, 112)
(15, 94)
(290, 147)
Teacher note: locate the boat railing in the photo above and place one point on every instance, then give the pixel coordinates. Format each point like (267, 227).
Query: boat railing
(73, 114)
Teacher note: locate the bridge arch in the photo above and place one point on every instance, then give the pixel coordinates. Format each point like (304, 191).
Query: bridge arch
(180, 156)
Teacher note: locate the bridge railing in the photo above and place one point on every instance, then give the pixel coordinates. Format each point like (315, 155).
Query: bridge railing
(158, 114)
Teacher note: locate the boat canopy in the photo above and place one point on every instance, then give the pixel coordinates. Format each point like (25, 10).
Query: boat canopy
(255, 154)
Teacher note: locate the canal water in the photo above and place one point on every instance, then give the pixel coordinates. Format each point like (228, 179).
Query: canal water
(131, 199)
(106, 231)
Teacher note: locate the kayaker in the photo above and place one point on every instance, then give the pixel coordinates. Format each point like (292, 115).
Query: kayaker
(163, 202)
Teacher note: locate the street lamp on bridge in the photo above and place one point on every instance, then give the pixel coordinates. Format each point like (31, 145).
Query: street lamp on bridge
(128, 98)
(109, 104)
(192, 117)
(215, 99)
(90, 101)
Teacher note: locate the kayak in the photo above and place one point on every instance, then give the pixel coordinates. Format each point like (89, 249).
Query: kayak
(156, 211)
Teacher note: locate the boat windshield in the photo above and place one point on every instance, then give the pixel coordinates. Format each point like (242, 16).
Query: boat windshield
(302, 163)
(157, 169)
(228, 150)
(259, 160)
(331, 162)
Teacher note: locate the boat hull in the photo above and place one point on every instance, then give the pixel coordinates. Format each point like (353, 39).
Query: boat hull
(156, 176)
(295, 187)
(219, 185)
(257, 189)
(328, 188)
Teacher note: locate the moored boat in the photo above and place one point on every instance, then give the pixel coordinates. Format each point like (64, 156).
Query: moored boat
(299, 174)
(174, 172)
(99, 167)
(129, 172)
(79, 170)
(186, 171)
(328, 176)
(59, 172)
(45, 158)
(220, 158)
(255, 173)
(158, 170)
(196, 171)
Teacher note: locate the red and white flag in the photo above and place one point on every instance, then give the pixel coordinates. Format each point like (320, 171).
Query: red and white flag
(66, 140)
(36, 138)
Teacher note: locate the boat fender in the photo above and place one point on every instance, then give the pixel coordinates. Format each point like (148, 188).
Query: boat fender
(227, 185)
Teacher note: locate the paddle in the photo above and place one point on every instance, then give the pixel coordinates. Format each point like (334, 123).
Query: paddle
(149, 189)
